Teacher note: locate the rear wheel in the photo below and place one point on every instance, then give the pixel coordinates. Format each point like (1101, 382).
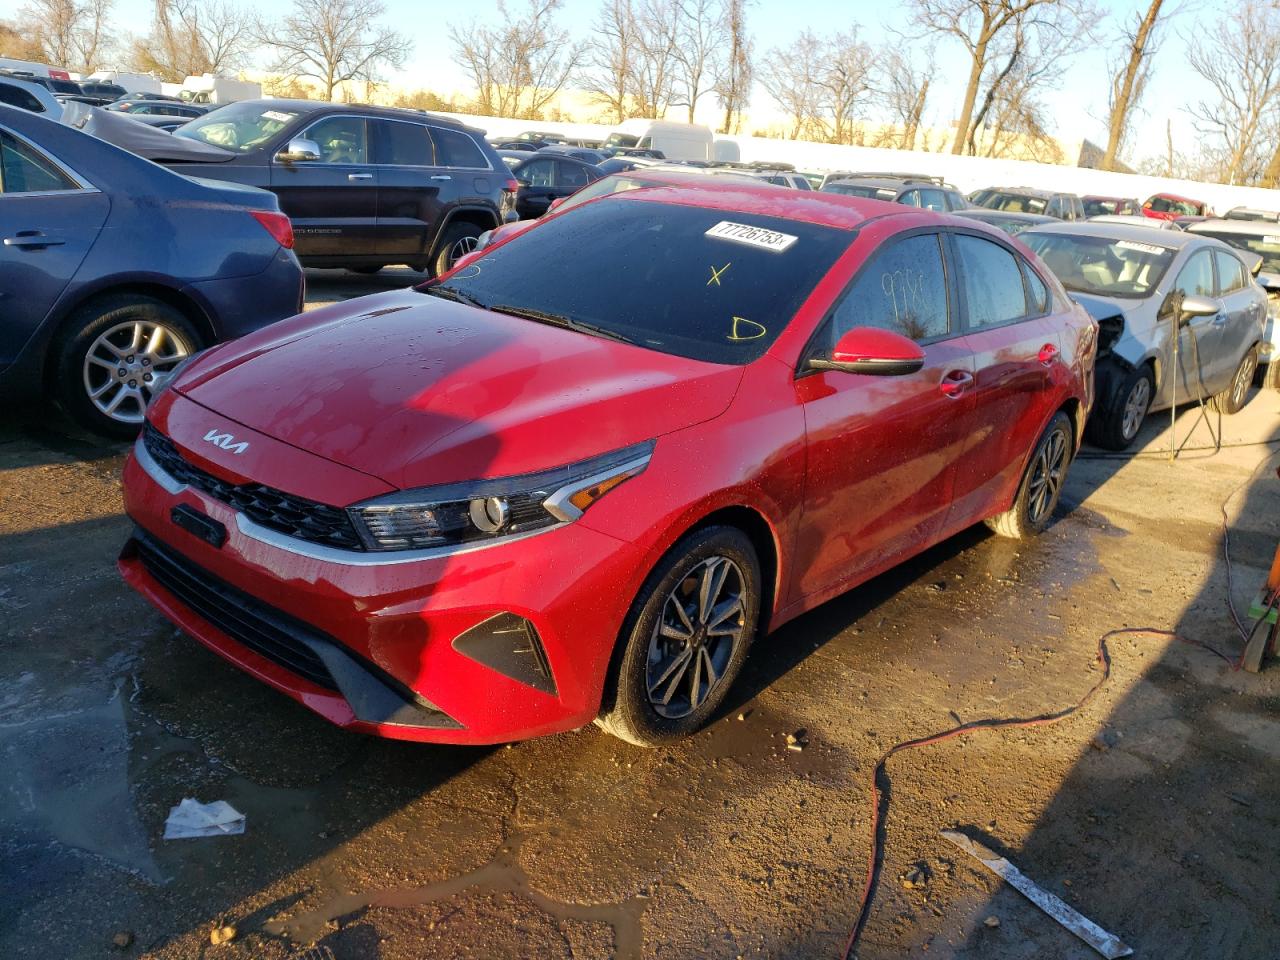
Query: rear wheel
(113, 354)
(1233, 399)
(1041, 484)
(459, 239)
(1116, 427)
(685, 639)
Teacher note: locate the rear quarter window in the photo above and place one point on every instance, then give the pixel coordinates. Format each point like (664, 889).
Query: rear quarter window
(456, 149)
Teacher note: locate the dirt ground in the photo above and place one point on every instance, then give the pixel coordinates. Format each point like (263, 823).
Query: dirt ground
(1155, 811)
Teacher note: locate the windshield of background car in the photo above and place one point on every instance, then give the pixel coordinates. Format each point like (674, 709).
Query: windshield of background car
(1015, 203)
(1098, 208)
(858, 190)
(1102, 265)
(1267, 245)
(618, 183)
(1166, 205)
(624, 140)
(715, 285)
(238, 126)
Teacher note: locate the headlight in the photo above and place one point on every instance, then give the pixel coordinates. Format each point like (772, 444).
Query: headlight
(489, 510)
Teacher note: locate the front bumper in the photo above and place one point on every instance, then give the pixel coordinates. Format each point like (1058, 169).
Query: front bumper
(487, 646)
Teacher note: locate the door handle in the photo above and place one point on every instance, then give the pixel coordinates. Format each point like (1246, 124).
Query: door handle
(1220, 320)
(1048, 354)
(32, 240)
(441, 176)
(359, 176)
(955, 383)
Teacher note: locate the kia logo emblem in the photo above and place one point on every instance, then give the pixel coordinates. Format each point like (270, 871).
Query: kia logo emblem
(226, 441)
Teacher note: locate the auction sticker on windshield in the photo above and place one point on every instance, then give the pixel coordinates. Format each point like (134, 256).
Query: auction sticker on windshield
(752, 236)
(1136, 247)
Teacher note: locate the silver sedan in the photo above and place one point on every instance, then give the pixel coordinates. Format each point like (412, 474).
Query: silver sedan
(1142, 285)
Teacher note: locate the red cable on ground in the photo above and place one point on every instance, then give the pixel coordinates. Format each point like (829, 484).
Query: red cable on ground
(879, 794)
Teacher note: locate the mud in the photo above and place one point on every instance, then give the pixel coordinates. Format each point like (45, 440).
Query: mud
(1153, 811)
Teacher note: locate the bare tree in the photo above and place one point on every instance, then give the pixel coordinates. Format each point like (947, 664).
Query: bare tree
(700, 39)
(521, 65)
(734, 89)
(334, 42)
(194, 37)
(66, 33)
(1129, 77)
(822, 84)
(655, 66)
(902, 86)
(609, 59)
(981, 26)
(1240, 60)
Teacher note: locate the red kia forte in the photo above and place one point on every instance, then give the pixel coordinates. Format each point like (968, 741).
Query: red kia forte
(576, 478)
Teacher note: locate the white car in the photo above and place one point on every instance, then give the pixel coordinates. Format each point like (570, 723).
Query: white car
(29, 96)
(1130, 278)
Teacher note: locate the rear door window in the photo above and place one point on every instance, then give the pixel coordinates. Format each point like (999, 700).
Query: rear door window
(992, 282)
(23, 170)
(904, 289)
(571, 175)
(404, 144)
(456, 149)
(1231, 273)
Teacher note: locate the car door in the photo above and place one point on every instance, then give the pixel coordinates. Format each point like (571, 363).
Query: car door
(49, 219)
(1244, 308)
(333, 201)
(1202, 369)
(537, 185)
(1014, 345)
(881, 451)
(413, 188)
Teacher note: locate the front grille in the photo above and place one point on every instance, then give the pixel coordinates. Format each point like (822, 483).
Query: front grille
(245, 619)
(289, 514)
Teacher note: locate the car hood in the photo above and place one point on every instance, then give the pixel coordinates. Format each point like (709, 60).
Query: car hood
(417, 390)
(141, 139)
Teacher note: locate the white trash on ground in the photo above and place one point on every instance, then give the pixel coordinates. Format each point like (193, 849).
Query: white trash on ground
(191, 818)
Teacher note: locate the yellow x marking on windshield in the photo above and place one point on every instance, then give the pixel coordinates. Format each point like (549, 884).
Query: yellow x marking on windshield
(717, 274)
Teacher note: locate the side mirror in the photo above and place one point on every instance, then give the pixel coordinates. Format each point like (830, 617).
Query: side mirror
(556, 202)
(300, 150)
(871, 350)
(1197, 306)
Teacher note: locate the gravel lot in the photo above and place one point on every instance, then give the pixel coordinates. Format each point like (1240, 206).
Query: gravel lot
(1155, 810)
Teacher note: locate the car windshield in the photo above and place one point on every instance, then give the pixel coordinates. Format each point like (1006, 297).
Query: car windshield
(1265, 245)
(1169, 205)
(624, 140)
(1097, 206)
(1015, 203)
(714, 285)
(860, 190)
(238, 126)
(1102, 265)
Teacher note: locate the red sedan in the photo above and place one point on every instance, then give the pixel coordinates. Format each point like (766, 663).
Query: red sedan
(577, 477)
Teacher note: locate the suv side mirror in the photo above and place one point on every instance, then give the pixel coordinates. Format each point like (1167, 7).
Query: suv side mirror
(871, 350)
(300, 150)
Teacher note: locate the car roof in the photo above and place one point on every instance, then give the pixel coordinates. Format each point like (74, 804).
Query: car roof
(986, 213)
(1175, 239)
(751, 195)
(393, 113)
(1027, 192)
(1107, 196)
(880, 183)
(1255, 228)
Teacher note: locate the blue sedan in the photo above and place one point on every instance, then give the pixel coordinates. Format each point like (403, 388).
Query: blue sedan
(114, 269)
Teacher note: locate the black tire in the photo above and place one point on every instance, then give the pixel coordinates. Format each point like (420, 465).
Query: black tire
(1271, 375)
(1111, 428)
(74, 375)
(628, 710)
(1233, 399)
(1041, 483)
(443, 257)
(366, 269)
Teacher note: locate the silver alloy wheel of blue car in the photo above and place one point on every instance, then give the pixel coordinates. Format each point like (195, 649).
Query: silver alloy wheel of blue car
(127, 362)
(694, 639)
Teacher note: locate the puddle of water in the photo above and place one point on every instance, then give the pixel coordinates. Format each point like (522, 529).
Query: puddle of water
(503, 874)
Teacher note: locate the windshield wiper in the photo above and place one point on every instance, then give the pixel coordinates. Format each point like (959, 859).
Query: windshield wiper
(559, 320)
(457, 296)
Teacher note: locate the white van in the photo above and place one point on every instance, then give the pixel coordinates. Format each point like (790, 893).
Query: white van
(207, 88)
(676, 141)
(132, 82)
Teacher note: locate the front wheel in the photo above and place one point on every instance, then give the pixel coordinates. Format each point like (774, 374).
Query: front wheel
(113, 354)
(686, 638)
(1115, 427)
(1232, 399)
(1041, 484)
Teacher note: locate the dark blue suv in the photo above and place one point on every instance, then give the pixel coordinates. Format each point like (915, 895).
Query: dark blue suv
(113, 270)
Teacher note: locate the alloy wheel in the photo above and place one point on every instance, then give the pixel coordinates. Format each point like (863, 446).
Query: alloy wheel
(461, 248)
(1244, 377)
(1135, 408)
(127, 363)
(700, 626)
(1048, 470)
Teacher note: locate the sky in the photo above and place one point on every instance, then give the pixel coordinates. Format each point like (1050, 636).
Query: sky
(1077, 109)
